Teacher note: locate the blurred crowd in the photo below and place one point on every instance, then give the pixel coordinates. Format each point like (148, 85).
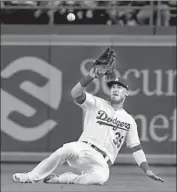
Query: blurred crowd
(131, 13)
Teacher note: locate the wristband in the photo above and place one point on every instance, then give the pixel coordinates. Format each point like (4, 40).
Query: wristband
(86, 80)
(139, 157)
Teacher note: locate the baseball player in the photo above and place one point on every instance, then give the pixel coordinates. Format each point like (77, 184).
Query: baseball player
(106, 126)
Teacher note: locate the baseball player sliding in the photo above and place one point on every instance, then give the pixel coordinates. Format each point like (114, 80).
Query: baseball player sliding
(106, 126)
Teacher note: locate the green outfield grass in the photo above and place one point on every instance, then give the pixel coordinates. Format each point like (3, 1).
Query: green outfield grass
(122, 179)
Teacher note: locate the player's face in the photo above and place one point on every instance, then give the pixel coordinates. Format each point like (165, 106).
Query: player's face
(118, 93)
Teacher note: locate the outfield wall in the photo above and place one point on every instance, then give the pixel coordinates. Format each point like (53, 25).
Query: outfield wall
(38, 72)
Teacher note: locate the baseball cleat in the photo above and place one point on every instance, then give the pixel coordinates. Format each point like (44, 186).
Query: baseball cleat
(21, 178)
(52, 178)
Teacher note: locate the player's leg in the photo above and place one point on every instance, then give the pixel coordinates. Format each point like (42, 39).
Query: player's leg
(92, 177)
(93, 167)
(48, 165)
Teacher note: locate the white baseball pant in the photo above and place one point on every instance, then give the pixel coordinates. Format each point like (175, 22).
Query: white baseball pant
(92, 165)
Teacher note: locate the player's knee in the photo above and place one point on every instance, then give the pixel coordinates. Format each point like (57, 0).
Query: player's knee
(97, 179)
(102, 180)
(70, 147)
(102, 176)
(68, 150)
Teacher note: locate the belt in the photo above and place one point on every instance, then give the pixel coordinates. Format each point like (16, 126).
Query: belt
(99, 150)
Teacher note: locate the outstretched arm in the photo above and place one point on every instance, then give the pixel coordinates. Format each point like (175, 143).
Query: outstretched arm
(77, 91)
(102, 66)
(140, 158)
(133, 142)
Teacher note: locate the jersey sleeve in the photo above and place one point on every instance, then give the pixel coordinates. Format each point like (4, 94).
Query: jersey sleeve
(132, 138)
(90, 101)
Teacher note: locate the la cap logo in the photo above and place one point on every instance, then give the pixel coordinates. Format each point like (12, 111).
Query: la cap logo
(117, 79)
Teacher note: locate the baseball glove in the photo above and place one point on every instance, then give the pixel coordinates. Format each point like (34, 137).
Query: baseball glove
(105, 64)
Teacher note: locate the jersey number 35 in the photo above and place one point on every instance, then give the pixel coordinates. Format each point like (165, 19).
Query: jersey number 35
(118, 139)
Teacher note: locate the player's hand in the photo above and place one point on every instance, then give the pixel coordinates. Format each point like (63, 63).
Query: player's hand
(150, 174)
(104, 64)
(95, 73)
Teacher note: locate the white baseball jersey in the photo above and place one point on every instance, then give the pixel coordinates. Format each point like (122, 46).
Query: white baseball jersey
(106, 128)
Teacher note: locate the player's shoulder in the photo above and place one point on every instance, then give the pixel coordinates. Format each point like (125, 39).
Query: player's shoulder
(99, 99)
